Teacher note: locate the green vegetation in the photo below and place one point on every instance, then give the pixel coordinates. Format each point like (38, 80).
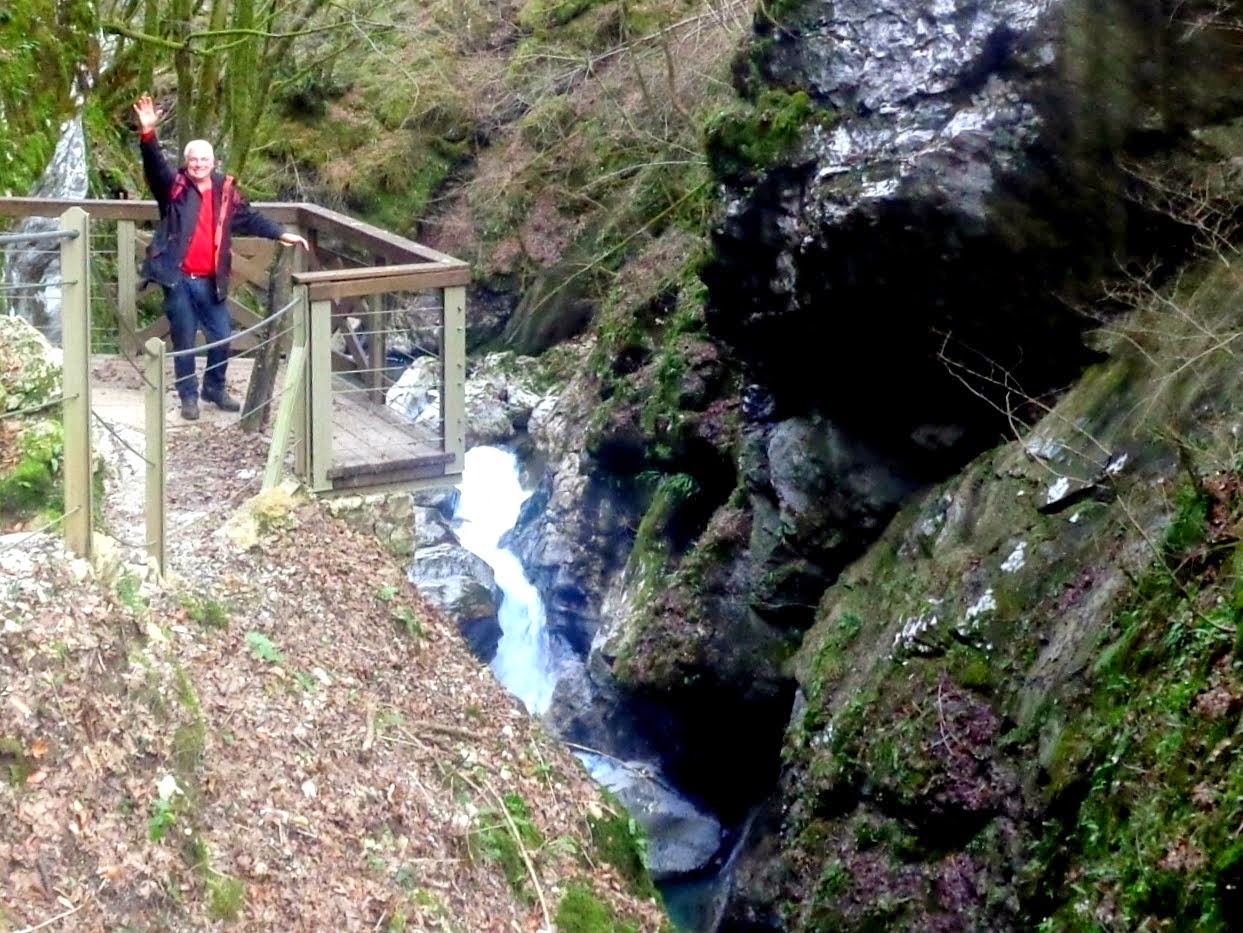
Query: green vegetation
(263, 649)
(207, 612)
(32, 42)
(225, 897)
(129, 592)
(746, 138)
(16, 763)
(582, 911)
(407, 621)
(162, 818)
(618, 840)
(34, 485)
(545, 14)
(501, 837)
(1156, 830)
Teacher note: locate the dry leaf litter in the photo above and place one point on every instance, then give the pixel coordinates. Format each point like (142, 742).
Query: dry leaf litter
(281, 736)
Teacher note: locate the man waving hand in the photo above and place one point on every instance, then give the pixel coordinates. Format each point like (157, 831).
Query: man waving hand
(189, 255)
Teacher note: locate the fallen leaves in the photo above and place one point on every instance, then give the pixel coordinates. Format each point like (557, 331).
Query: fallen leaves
(339, 792)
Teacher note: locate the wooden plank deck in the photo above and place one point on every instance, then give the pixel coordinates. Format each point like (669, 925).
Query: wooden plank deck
(374, 446)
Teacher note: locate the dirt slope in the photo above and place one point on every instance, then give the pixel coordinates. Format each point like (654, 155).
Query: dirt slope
(287, 739)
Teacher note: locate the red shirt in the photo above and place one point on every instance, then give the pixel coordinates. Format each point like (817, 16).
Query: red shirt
(201, 253)
(200, 256)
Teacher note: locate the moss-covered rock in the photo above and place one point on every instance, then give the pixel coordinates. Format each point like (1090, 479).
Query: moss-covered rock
(51, 41)
(1016, 708)
(31, 438)
(30, 367)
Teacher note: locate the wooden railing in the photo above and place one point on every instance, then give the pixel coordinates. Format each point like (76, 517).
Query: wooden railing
(344, 288)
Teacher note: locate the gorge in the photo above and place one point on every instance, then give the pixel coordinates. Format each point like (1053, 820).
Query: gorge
(873, 369)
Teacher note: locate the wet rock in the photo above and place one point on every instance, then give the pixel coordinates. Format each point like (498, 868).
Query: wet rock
(682, 838)
(500, 396)
(462, 586)
(830, 494)
(961, 187)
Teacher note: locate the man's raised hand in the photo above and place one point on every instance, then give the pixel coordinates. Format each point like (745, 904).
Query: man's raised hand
(144, 110)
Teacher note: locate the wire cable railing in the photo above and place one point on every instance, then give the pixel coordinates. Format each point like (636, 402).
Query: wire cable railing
(21, 537)
(225, 341)
(372, 334)
(38, 236)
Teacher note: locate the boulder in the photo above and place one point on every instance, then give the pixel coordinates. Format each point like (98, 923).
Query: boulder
(682, 839)
(952, 198)
(462, 586)
(30, 367)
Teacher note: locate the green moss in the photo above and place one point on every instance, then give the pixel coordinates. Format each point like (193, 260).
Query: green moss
(548, 14)
(581, 910)
(973, 670)
(495, 841)
(744, 139)
(618, 840)
(1161, 802)
(34, 485)
(1190, 518)
(839, 634)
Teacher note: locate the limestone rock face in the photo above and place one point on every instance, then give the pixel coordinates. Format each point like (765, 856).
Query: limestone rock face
(966, 678)
(500, 396)
(683, 839)
(390, 517)
(959, 193)
(64, 177)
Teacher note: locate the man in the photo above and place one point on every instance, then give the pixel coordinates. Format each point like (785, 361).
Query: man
(190, 254)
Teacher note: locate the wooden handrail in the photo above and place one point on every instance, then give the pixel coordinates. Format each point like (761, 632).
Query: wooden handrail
(327, 300)
(373, 272)
(358, 233)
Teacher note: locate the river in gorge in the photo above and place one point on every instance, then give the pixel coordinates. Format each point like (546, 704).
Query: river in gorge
(490, 498)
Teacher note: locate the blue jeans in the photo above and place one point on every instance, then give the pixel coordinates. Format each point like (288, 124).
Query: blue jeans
(189, 305)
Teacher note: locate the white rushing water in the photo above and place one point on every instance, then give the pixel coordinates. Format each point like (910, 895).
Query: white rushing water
(491, 496)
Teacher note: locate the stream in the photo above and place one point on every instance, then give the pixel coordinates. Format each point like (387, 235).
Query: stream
(489, 499)
(527, 661)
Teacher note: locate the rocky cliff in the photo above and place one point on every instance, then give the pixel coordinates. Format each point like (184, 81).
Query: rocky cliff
(925, 206)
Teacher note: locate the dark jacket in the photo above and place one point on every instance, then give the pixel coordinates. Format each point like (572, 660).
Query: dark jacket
(179, 202)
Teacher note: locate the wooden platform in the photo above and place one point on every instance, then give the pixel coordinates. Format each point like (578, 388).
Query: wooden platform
(373, 446)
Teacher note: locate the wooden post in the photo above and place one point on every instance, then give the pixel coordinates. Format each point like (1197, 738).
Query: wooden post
(319, 396)
(154, 451)
(303, 262)
(377, 347)
(75, 312)
(292, 406)
(127, 290)
(255, 409)
(453, 377)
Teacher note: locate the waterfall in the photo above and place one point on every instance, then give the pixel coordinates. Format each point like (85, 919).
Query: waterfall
(490, 498)
(32, 275)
